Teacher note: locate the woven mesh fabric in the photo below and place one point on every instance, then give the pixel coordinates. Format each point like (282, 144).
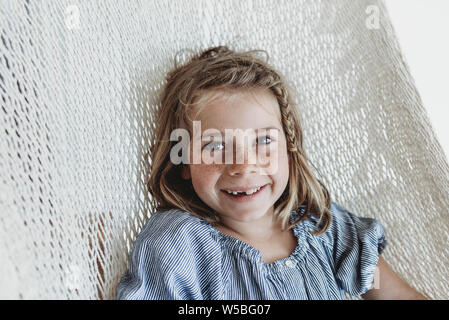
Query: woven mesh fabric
(78, 87)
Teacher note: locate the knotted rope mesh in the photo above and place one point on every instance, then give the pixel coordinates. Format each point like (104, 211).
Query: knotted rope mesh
(79, 82)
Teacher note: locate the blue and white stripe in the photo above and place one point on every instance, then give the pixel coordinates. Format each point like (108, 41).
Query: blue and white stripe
(178, 256)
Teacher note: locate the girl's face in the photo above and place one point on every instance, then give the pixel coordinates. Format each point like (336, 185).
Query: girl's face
(245, 110)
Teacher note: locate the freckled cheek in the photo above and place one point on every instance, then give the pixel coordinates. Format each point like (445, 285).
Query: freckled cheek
(278, 161)
(205, 176)
(283, 155)
(276, 154)
(284, 159)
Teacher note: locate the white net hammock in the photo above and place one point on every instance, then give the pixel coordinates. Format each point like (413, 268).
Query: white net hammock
(78, 86)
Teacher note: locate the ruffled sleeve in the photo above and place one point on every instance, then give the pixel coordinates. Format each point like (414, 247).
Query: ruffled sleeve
(172, 259)
(355, 243)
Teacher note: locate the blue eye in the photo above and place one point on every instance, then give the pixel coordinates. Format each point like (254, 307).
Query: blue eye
(212, 144)
(266, 137)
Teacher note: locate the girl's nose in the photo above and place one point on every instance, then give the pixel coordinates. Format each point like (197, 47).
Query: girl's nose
(242, 169)
(243, 163)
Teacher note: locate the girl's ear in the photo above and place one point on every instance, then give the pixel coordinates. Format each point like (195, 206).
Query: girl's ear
(185, 172)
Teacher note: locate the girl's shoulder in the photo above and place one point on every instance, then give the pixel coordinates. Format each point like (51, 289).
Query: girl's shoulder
(173, 219)
(174, 229)
(347, 228)
(169, 256)
(354, 242)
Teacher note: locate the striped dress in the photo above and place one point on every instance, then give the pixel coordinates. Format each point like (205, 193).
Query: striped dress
(178, 256)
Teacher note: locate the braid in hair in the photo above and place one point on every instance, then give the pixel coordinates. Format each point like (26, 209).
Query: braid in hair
(287, 117)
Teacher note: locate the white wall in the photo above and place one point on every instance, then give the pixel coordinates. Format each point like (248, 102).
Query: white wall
(422, 27)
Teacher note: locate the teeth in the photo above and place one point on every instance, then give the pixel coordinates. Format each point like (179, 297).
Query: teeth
(247, 192)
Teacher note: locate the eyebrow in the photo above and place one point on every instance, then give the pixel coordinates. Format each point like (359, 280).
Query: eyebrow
(222, 131)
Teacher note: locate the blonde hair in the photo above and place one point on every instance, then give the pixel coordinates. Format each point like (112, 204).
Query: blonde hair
(222, 68)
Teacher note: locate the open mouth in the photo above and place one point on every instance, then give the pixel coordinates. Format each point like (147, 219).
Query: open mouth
(244, 195)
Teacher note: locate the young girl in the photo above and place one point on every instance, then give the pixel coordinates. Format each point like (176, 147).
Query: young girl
(246, 229)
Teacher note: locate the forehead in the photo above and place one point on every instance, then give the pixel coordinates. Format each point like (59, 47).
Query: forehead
(237, 108)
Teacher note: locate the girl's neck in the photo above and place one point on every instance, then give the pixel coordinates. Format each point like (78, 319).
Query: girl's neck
(261, 230)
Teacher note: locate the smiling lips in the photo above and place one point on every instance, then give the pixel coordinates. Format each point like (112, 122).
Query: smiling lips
(243, 195)
(248, 191)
